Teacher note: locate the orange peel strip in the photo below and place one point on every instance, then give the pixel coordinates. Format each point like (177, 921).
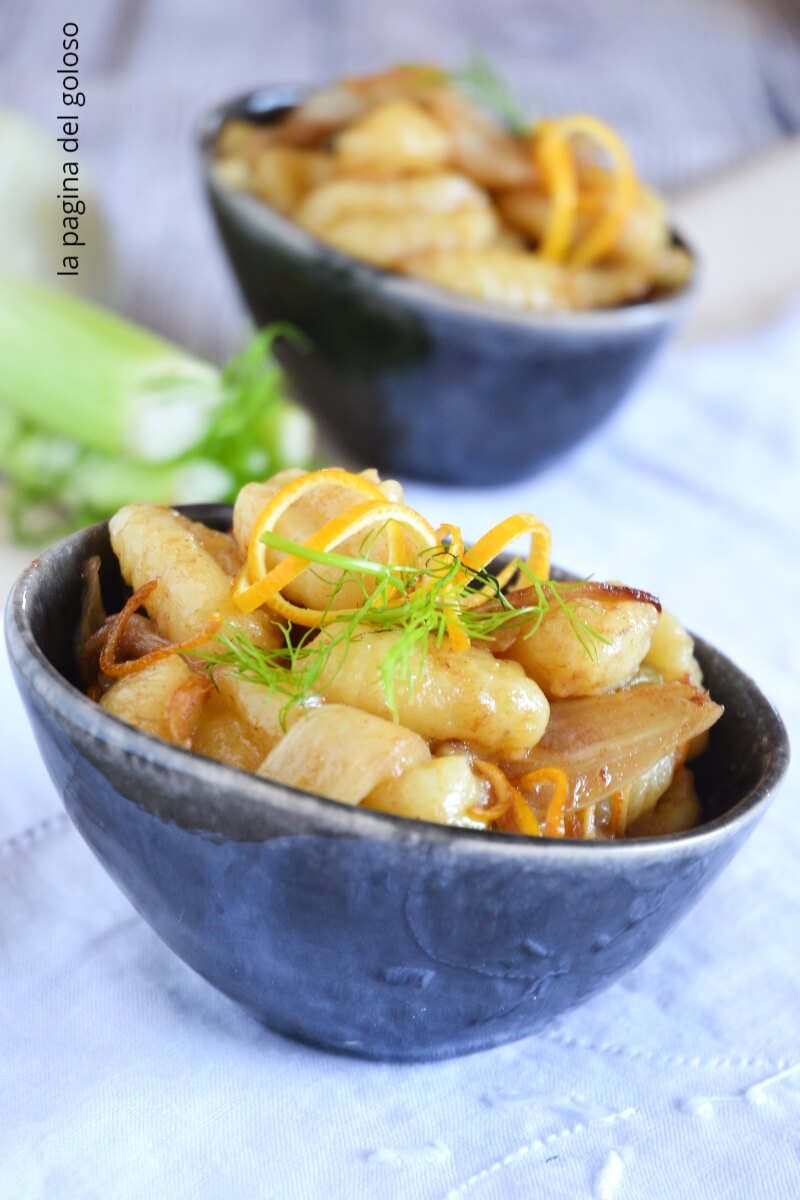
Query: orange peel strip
(509, 797)
(456, 547)
(554, 822)
(285, 498)
(502, 788)
(502, 535)
(456, 633)
(355, 520)
(108, 655)
(554, 160)
(557, 166)
(603, 236)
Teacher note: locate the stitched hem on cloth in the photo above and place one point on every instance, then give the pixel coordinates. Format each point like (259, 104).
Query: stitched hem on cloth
(34, 833)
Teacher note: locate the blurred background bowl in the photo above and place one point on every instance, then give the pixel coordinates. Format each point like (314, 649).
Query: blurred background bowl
(413, 379)
(348, 928)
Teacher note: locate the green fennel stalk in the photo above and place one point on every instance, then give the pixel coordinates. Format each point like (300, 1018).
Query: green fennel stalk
(96, 412)
(76, 370)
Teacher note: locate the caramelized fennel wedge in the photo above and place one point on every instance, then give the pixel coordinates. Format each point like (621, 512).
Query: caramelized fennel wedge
(604, 743)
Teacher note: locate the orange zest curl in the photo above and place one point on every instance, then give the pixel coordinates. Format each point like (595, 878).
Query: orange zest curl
(509, 801)
(456, 537)
(554, 822)
(108, 655)
(286, 497)
(557, 165)
(264, 585)
(554, 160)
(487, 548)
(456, 633)
(268, 585)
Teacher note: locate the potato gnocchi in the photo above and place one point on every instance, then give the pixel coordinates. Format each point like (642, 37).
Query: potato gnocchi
(335, 642)
(403, 171)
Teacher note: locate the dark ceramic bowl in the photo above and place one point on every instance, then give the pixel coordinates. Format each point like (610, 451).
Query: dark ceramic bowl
(351, 929)
(416, 380)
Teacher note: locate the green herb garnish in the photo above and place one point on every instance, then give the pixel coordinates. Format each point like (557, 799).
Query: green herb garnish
(483, 83)
(486, 85)
(248, 430)
(392, 602)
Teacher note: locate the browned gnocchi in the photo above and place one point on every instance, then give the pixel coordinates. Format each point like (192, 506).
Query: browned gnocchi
(335, 642)
(404, 171)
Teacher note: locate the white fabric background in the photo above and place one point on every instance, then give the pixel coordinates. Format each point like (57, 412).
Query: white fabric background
(123, 1075)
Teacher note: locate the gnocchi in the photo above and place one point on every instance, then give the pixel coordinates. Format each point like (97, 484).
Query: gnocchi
(403, 170)
(335, 642)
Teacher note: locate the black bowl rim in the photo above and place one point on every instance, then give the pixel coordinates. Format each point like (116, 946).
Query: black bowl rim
(265, 221)
(76, 709)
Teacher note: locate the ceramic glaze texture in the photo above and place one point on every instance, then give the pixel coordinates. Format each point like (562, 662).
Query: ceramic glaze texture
(416, 380)
(351, 929)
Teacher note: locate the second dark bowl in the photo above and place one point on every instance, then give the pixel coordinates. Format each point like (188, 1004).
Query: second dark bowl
(413, 379)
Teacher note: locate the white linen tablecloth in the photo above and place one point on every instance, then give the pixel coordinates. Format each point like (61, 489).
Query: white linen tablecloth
(123, 1075)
